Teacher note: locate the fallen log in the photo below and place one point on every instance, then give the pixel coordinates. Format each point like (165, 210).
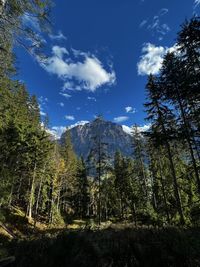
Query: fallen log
(7, 230)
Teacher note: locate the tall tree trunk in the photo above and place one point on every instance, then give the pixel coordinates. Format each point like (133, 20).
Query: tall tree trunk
(19, 187)
(37, 202)
(163, 191)
(134, 214)
(32, 191)
(99, 181)
(50, 213)
(11, 192)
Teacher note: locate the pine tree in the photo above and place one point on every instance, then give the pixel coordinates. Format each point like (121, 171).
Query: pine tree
(98, 158)
(69, 182)
(16, 18)
(83, 189)
(173, 81)
(162, 131)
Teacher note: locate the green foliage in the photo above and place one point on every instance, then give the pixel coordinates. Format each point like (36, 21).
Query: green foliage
(195, 214)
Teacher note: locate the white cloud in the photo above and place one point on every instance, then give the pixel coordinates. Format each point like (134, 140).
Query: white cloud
(78, 53)
(69, 117)
(121, 119)
(88, 73)
(59, 51)
(65, 95)
(43, 100)
(71, 86)
(92, 98)
(42, 103)
(42, 113)
(130, 110)
(59, 36)
(152, 58)
(61, 104)
(151, 61)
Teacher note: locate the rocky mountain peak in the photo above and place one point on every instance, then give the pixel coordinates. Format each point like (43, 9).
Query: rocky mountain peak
(82, 137)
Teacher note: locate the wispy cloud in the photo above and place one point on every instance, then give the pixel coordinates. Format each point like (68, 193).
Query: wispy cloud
(71, 86)
(42, 113)
(69, 117)
(43, 100)
(152, 58)
(156, 24)
(130, 110)
(65, 95)
(42, 104)
(144, 22)
(91, 98)
(58, 36)
(120, 119)
(196, 3)
(84, 70)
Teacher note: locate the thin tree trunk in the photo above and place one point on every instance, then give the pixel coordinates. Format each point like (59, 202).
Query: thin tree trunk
(164, 192)
(50, 215)
(30, 206)
(134, 214)
(99, 181)
(19, 187)
(37, 202)
(11, 192)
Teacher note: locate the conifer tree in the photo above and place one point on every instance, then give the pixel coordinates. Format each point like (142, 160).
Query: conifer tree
(98, 158)
(173, 84)
(69, 182)
(83, 189)
(162, 131)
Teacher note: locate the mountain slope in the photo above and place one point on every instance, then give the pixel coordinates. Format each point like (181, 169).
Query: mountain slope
(111, 133)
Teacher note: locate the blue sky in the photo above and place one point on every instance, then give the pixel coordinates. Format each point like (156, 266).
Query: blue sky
(99, 55)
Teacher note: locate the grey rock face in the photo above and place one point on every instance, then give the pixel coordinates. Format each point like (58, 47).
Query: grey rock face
(82, 137)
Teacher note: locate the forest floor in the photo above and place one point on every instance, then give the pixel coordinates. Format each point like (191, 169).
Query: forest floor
(84, 245)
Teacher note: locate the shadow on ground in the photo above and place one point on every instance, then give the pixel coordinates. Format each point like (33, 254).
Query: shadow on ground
(110, 248)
